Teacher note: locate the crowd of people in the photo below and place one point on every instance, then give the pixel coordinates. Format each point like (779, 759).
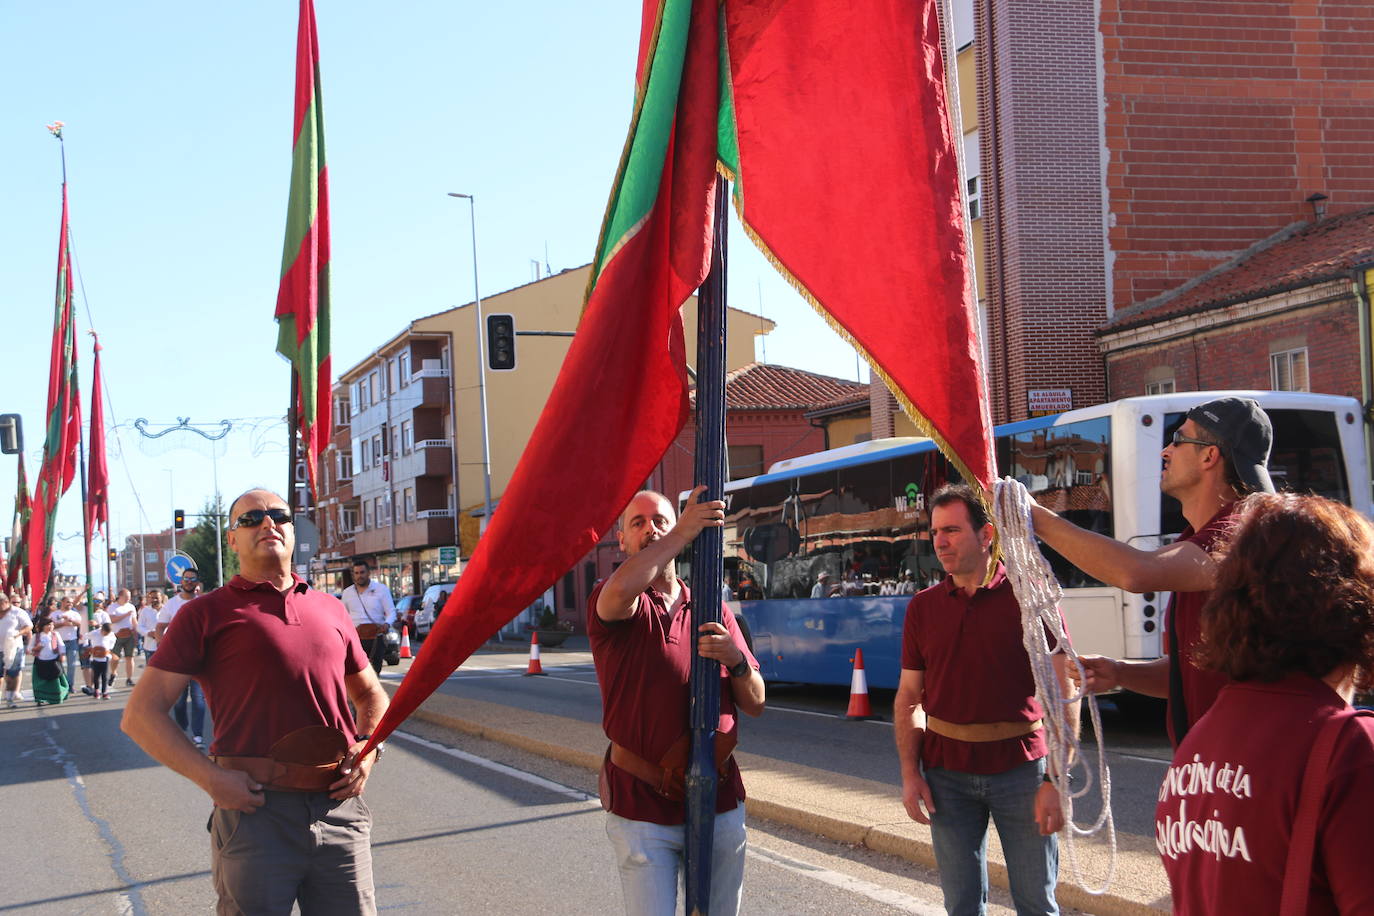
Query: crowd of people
(58, 638)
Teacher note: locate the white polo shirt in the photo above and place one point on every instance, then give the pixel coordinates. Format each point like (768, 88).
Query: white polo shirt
(372, 605)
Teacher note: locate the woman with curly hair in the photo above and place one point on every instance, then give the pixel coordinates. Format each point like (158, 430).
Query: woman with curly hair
(1291, 622)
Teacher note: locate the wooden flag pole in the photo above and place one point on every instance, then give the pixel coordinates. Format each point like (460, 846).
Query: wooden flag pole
(707, 565)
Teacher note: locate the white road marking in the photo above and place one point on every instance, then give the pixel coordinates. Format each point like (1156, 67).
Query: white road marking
(835, 879)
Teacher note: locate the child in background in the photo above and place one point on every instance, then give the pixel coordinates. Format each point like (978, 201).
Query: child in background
(49, 680)
(101, 642)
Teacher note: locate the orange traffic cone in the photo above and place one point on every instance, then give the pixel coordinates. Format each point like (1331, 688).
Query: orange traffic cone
(405, 642)
(859, 707)
(535, 667)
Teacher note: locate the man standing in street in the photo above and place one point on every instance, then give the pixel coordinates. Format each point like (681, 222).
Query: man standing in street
(970, 732)
(15, 624)
(1218, 454)
(192, 696)
(281, 663)
(372, 611)
(124, 623)
(641, 636)
(69, 624)
(147, 623)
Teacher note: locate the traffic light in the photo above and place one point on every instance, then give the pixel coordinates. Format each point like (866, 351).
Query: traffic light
(11, 434)
(501, 342)
(178, 519)
(114, 554)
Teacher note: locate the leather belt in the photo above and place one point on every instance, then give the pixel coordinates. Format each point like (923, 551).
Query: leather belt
(982, 731)
(669, 778)
(306, 760)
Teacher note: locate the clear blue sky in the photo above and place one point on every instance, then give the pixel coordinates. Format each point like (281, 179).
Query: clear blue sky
(178, 123)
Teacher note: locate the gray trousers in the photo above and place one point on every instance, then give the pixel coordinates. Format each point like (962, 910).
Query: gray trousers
(299, 847)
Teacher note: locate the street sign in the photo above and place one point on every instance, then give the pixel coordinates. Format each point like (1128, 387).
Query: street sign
(178, 565)
(307, 541)
(448, 555)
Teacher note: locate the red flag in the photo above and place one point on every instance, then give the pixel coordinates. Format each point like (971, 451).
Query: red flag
(834, 125)
(97, 472)
(14, 572)
(303, 295)
(63, 423)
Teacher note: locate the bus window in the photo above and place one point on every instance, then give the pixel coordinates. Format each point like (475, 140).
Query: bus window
(1067, 469)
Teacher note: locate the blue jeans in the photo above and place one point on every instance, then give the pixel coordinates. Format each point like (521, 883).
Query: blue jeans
(959, 831)
(73, 647)
(196, 697)
(650, 858)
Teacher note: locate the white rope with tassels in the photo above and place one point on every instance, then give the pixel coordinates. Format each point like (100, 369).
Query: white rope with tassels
(1038, 592)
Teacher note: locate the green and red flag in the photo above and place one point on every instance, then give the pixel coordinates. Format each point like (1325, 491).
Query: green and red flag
(15, 574)
(832, 120)
(302, 311)
(97, 470)
(63, 426)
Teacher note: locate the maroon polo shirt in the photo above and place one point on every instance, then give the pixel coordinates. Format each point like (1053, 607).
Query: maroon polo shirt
(269, 663)
(1200, 687)
(643, 664)
(1226, 808)
(976, 670)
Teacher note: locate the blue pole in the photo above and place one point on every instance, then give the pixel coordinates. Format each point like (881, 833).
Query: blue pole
(707, 562)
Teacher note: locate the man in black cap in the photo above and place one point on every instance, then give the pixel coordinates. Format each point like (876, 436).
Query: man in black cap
(1219, 454)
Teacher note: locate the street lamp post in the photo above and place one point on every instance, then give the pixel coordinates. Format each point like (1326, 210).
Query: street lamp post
(481, 367)
(171, 495)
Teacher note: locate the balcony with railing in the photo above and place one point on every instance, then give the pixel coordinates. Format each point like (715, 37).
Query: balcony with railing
(427, 458)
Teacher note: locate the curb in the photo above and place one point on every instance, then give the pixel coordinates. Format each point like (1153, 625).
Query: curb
(856, 817)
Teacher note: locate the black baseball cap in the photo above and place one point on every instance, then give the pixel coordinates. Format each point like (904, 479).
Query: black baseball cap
(1245, 434)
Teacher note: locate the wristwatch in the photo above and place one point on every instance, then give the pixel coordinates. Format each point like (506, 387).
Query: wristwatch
(739, 670)
(380, 748)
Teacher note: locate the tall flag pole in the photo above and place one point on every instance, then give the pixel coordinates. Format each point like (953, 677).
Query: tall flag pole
(302, 311)
(832, 122)
(62, 430)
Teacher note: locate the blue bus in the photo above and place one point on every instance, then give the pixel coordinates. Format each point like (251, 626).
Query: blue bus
(823, 552)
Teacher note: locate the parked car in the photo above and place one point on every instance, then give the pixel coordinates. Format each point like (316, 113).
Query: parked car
(406, 609)
(431, 606)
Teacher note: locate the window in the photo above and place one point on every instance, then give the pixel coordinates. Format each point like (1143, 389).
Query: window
(150, 556)
(357, 397)
(403, 363)
(972, 173)
(348, 520)
(409, 497)
(1288, 370)
(341, 411)
(1163, 386)
(151, 576)
(745, 461)
(367, 515)
(377, 449)
(407, 437)
(364, 454)
(343, 466)
(392, 376)
(374, 387)
(380, 513)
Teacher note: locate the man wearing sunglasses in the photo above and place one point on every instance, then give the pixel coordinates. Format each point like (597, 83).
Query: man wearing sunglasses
(1218, 454)
(280, 663)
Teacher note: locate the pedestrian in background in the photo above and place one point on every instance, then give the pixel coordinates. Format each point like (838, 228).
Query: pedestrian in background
(15, 627)
(69, 624)
(1291, 623)
(124, 623)
(99, 644)
(50, 683)
(372, 611)
(147, 624)
(189, 709)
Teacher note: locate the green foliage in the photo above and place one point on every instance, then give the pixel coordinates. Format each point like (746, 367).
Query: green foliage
(199, 545)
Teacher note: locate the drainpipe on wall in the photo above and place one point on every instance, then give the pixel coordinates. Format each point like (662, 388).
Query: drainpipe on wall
(1360, 284)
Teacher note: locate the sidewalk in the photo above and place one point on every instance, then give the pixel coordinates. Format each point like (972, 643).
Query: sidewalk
(849, 810)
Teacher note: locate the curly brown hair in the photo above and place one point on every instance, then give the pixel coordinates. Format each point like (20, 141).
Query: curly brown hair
(1294, 592)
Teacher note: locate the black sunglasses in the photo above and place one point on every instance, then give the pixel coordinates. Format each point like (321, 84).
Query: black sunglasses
(1180, 439)
(253, 517)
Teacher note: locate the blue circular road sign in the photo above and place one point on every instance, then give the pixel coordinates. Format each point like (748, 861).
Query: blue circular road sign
(177, 565)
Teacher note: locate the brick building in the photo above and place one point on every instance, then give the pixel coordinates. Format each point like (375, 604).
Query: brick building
(1128, 147)
(141, 564)
(1287, 314)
